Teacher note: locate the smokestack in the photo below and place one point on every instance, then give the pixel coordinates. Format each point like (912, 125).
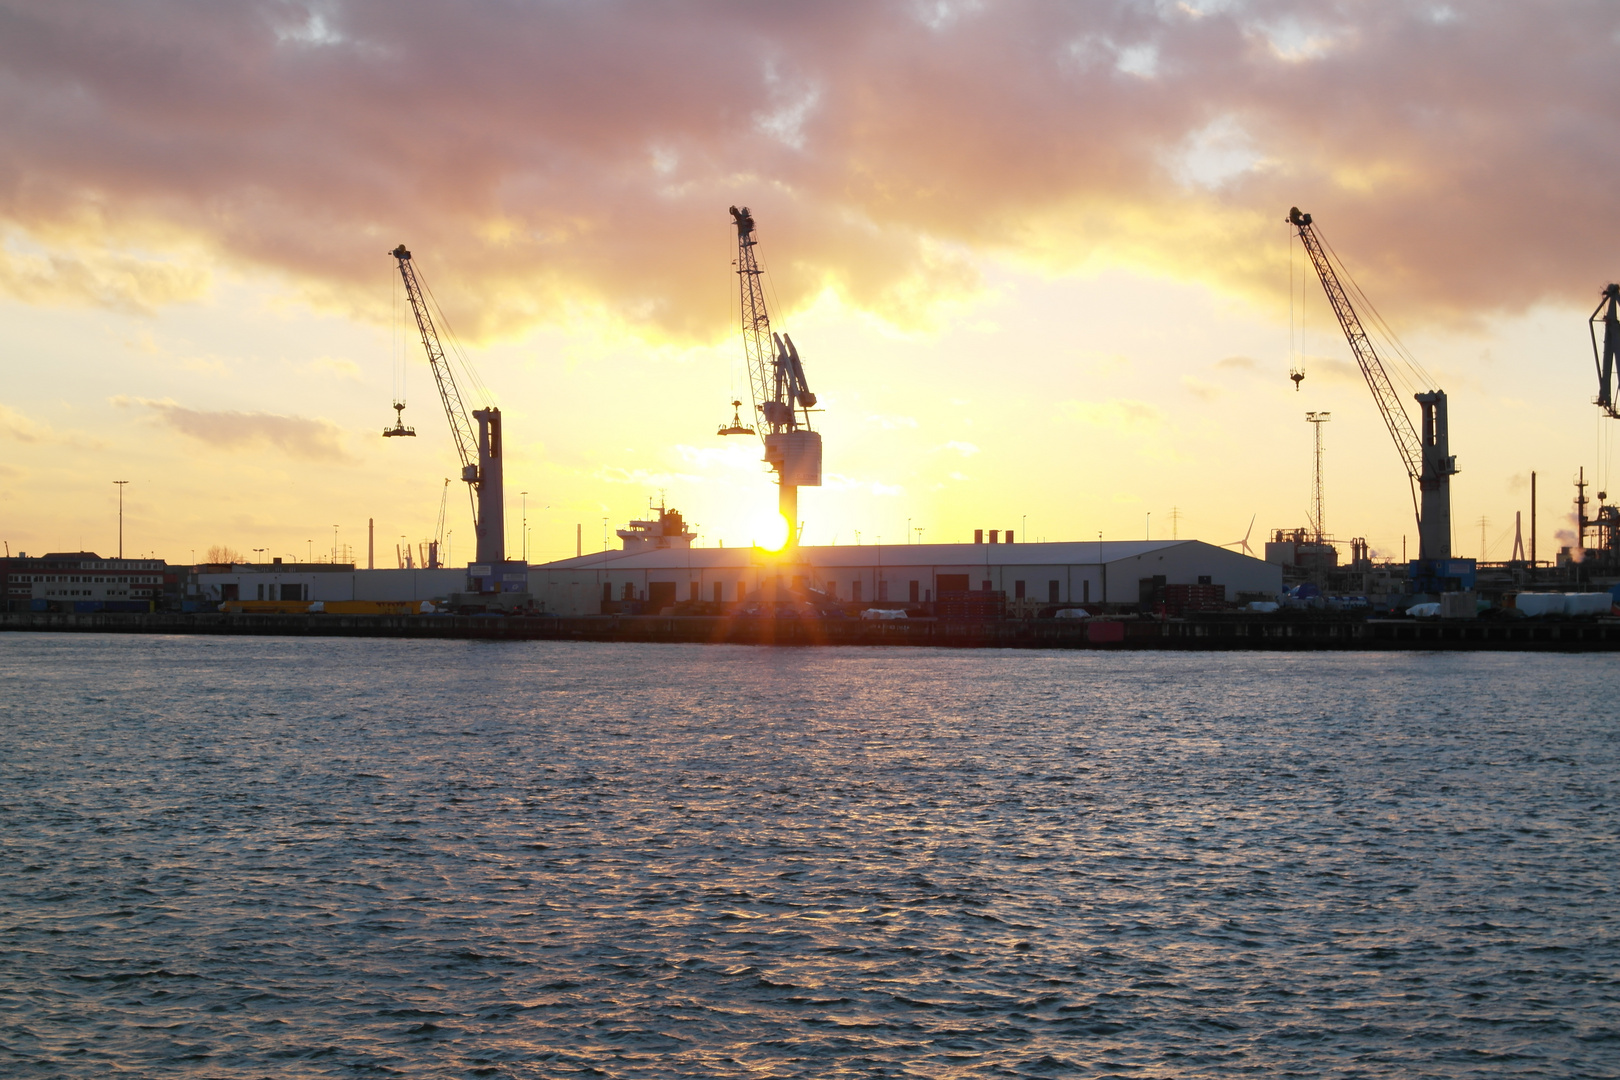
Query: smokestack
(579, 540)
(994, 535)
(371, 543)
(1532, 520)
(1009, 536)
(978, 536)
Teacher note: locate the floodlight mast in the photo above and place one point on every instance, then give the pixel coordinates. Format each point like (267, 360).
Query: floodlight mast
(1428, 460)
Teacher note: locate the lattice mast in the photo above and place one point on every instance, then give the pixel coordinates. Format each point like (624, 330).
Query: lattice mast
(1429, 463)
(479, 448)
(782, 397)
(1317, 419)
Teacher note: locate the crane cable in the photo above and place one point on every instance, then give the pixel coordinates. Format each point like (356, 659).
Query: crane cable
(1399, 349)
(462, 360)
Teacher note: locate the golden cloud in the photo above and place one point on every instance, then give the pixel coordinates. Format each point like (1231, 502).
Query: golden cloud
(551, 161)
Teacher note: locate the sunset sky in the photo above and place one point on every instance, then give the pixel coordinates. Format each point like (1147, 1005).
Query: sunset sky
(1033, 255)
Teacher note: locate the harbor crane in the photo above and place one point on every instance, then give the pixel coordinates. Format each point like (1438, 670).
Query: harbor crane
(480, 448)
(782, 397)
(1427, 457)
(1607, 355)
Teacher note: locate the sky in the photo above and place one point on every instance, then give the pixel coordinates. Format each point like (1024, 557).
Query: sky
(1033, 255)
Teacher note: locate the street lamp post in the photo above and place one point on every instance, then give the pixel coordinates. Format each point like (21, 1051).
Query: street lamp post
(120, 484)
(525, 495)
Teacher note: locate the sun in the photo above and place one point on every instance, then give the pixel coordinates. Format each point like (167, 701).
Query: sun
(771, 532)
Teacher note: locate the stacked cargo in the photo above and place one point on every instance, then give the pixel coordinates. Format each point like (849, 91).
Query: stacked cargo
(1180, 599)
(981, 605)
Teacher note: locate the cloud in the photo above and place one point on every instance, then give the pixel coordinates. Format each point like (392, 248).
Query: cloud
(1118, 413)
(296, 436)
(890, 422)
(19, 428)
(550, 159)
(335, 367)
(839, 482)
(1237, 363)
(1329, 369)
(966, 449)
(77, 270)
(1203, 391)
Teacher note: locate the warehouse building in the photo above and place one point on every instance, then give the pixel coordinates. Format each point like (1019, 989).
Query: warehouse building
(659, 570)
(1032, 576)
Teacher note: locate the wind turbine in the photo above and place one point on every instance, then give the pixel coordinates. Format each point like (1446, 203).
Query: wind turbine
(1244, 543)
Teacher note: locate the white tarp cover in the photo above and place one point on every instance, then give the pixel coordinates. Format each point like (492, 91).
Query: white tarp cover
(1424, 611)
(1597, 603)
(1266, 606)
(884, 614)
(1072, 613)
(1564, 603)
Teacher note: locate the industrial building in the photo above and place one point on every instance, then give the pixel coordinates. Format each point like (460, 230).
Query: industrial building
(84, 581)
(654, 572)
(657, 568)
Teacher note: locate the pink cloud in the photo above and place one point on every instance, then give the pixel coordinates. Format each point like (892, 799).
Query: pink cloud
(555, 154)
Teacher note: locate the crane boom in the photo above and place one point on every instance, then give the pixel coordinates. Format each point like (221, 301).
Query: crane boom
(776, 378)
(1429, 463)
(478, 447)
(461, 428)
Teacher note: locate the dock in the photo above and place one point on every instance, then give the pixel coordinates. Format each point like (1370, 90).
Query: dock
(1214, 632)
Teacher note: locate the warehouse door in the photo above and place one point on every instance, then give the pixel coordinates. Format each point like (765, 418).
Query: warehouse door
(953, 583)
(660, 594)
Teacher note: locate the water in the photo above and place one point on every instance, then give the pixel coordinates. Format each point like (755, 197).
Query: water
(294, 858)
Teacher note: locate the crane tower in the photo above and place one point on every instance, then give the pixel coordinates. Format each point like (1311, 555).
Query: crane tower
(478, 448)
(782, 397)
(1427, 457)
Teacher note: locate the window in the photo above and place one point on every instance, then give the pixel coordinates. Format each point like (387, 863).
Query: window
(1085, 591)
(883, 591)
(261, 592)
(1052, 592)
(719, 591)
(693, 591)
(855, 590)
(607, 592)
(916, 591)
(629, 591)
(1018, 590)
(292, 592)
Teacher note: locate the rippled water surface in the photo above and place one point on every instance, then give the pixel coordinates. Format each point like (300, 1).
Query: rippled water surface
(296, 858)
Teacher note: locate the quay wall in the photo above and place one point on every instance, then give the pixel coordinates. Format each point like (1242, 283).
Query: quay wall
(1258, 632)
